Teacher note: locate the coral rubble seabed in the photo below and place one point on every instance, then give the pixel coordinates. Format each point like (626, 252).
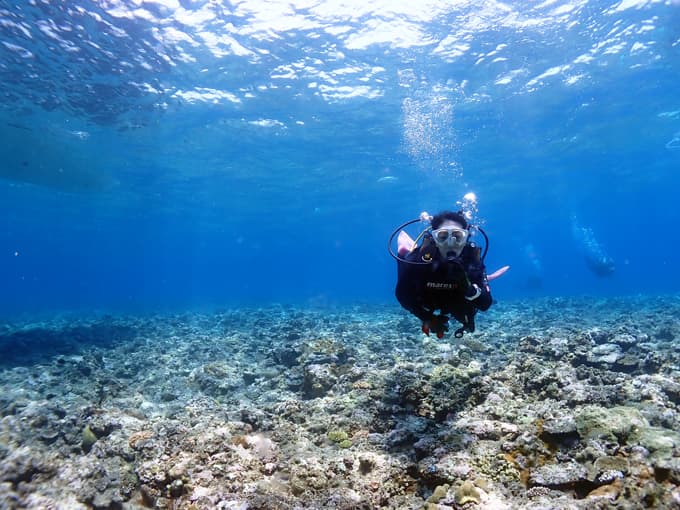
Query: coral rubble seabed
(554, 403)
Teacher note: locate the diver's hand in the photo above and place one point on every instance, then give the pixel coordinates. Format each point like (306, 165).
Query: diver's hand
(438, 324)
(473, 292)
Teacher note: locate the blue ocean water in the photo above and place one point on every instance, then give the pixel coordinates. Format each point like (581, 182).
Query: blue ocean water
(182, 154)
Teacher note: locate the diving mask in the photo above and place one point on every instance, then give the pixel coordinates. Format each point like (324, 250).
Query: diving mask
(454, 237)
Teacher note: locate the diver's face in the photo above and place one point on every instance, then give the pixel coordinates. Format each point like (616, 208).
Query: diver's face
(450, 238)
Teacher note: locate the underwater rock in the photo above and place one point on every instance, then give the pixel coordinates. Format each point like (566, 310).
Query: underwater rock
(168, 396)
(400, 436)
(108, 499)
(318, 380)
(628, 363)
(447, 390)
(21, 465)
(558, 475)
(326, 351)
(256, 418)
(614, 424)
(8, 497)
(50, 436)
(102, 425)
(259, 446)
(609, 463)
(608, 492)
(217, 379)
(424, 446)
(670, 386)
(106, 482)
(659, 441)
(624, 340)
(346, 498)
(665, 333)
(559, 432)
(604, 354)
(467, 493)
(438, 493)
(366, 464)
(286, 355)
(453, 466)
(487, 429)
(558, 427)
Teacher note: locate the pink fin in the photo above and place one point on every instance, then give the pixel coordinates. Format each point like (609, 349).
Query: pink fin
(404, 243)
(497, 273)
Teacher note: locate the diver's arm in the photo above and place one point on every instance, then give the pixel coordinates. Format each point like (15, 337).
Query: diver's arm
(478, 292)
(408, 295)
(480, 297)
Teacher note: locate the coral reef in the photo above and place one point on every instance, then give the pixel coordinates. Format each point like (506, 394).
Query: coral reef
(555, 403)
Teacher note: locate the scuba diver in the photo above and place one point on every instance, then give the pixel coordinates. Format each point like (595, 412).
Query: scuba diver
(597, 259)
(445, 272)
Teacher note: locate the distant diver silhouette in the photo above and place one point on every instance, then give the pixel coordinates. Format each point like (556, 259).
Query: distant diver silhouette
(534, 279)
(595, 255)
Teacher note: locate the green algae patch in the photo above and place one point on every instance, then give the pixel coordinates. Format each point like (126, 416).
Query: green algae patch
(615, 424)
(89, 438)
(659, 441)
(337, 436)
(626, 425)
(340, 438)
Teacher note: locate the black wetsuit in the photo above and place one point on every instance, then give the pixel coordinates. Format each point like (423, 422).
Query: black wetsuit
(441, 285)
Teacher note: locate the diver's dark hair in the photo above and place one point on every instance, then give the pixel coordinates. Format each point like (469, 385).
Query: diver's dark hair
(440, 218)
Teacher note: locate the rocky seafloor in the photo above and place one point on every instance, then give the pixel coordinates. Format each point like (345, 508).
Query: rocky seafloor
(554, 403)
